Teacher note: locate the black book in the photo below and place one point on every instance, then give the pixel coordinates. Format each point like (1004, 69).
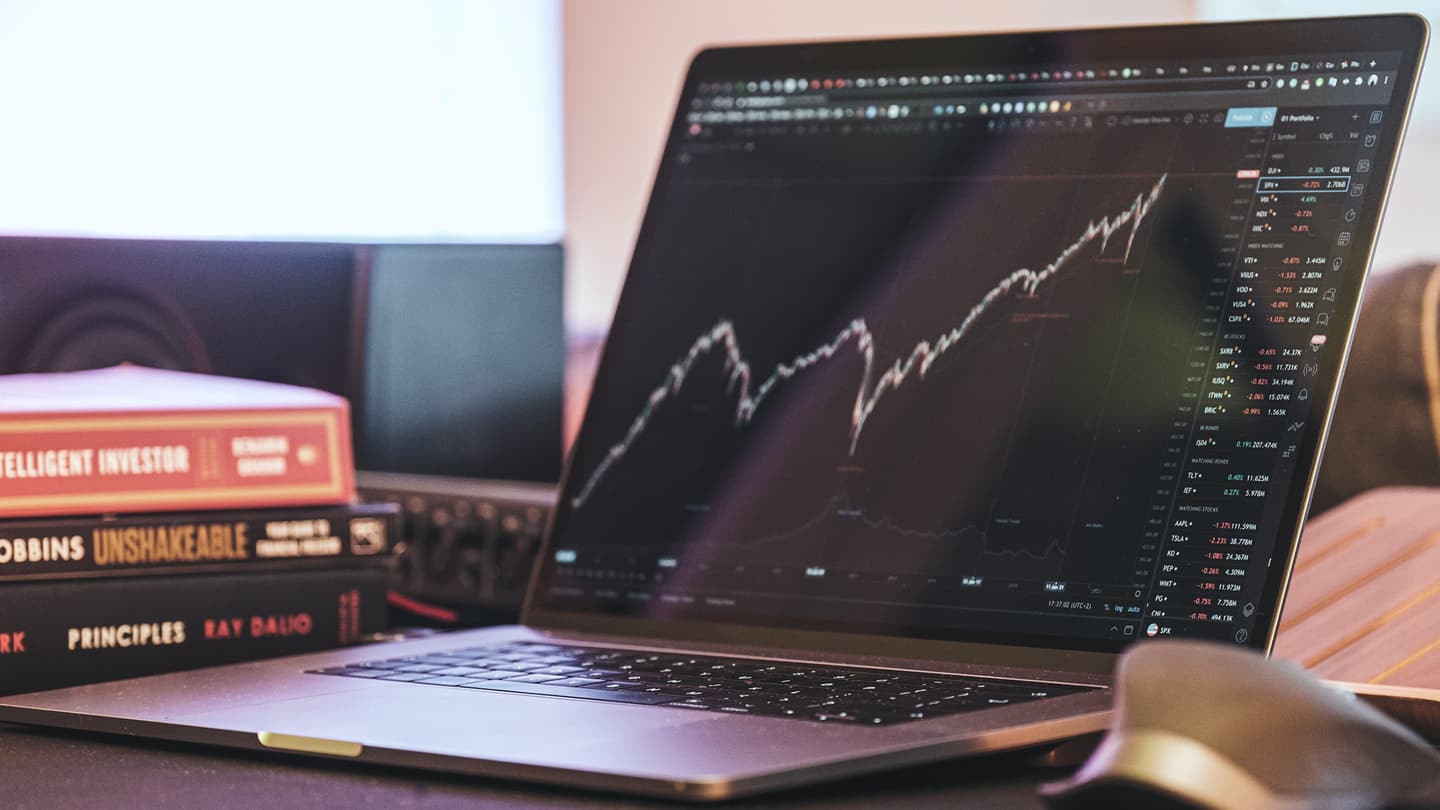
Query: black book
(55, 634)
(192, 542)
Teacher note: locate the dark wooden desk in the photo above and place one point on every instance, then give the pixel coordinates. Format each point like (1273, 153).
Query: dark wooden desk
(49, 769)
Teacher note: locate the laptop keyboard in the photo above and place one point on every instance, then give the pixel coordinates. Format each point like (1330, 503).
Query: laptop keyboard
(872, 697)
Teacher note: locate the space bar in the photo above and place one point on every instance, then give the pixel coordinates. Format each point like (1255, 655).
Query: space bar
(572, 692)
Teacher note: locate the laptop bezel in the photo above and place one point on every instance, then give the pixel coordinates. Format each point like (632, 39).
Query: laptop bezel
(1404, 32)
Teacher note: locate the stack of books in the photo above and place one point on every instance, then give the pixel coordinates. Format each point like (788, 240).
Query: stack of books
(154, 520)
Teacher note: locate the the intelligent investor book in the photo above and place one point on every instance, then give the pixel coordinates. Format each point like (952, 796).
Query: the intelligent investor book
(133, 439)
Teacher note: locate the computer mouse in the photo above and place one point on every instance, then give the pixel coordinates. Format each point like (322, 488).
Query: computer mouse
(1201, 725)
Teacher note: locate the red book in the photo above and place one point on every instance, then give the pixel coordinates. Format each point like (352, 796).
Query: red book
(132, 439)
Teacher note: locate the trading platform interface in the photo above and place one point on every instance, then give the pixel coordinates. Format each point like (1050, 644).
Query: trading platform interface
(985, 355)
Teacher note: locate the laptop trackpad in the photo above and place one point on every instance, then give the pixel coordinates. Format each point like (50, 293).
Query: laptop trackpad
(453, 721)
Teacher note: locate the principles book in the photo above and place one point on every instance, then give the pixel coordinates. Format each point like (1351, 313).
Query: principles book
(196, 542)
(55, 634)
(133, 439)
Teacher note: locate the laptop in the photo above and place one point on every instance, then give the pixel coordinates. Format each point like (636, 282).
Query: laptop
(945, 370)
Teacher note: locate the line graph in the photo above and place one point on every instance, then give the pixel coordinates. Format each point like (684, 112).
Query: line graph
(871, 388)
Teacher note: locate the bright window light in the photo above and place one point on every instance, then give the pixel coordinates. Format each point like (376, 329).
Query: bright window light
(366, 120)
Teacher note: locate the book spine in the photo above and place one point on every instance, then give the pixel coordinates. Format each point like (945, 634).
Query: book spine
(157, 462)
(70, 633)
(193, 542)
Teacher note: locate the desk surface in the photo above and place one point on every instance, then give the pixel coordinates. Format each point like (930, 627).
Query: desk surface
(51, 769)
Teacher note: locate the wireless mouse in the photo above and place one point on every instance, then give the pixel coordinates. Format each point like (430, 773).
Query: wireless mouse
(1200, 725)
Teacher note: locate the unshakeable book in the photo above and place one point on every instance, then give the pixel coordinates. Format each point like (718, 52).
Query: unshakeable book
(176, 543)
(134, 439)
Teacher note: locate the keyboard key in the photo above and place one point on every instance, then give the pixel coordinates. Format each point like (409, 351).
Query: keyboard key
(533, 678)
(458, 671)
(504, 673)
(596, 672)
(445, 680)
(493, 674)
(578, 682)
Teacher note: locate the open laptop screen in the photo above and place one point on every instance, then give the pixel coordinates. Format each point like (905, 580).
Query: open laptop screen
(1035, 349)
